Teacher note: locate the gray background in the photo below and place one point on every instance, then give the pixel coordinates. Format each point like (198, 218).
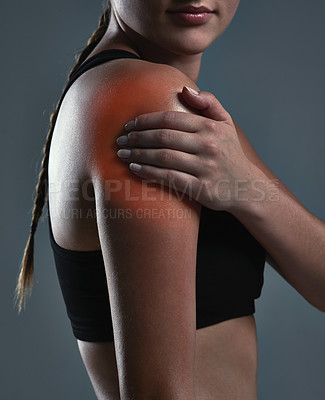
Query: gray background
(268, 72)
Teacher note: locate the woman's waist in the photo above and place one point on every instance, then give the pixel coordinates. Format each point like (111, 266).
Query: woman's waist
(226, 360)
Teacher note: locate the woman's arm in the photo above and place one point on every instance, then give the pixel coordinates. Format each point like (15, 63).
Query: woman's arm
(149, 240)
(226, 173)
(292, 236)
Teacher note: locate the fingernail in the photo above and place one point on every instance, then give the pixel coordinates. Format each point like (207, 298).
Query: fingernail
(122, 140)
(192, 90)
(135, 167)
(124, 153)
(130, 125)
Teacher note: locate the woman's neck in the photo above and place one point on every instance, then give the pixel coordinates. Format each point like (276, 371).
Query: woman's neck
(116, 37)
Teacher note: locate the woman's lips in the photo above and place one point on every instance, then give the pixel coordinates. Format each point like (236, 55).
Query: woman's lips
(192, 15)
(193, 19)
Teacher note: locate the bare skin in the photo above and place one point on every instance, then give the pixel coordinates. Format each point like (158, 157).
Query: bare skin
(225, 363)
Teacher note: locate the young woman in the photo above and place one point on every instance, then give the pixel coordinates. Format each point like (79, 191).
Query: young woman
(159, 267)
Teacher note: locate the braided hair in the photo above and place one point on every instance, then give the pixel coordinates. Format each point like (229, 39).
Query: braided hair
(26, 275)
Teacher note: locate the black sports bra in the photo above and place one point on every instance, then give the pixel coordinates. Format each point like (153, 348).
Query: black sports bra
(229, 268)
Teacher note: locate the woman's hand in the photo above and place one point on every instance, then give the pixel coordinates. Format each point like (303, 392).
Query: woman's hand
(197, 155)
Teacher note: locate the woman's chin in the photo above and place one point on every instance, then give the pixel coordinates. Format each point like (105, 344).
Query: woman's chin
(190, 47)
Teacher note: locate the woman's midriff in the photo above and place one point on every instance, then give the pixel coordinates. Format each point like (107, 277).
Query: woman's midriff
(226, 360)
(225, 364)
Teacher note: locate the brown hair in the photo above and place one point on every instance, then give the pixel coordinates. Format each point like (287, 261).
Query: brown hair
(26, 275)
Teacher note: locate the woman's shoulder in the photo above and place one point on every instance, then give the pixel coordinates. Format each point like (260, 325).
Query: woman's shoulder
(126, 68)
(109, 95)
(116, 92)
(130, 80)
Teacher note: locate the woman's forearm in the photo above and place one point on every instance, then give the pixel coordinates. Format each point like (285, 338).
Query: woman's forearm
(293, 237)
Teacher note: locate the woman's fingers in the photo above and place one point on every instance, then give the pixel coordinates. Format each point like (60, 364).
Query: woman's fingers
(177, 120)
(161, 138)
(192, 153)
(177, 180)
(207, 103)
(169, 159)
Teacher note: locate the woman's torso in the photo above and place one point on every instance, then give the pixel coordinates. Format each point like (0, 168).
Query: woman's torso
(226, 353)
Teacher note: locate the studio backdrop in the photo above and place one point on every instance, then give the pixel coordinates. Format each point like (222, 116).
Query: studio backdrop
(267, 70)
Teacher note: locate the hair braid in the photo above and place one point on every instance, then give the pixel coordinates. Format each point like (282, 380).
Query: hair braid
(26, 275)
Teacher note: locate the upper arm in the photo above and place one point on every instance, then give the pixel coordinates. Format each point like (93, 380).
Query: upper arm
(148, 237)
